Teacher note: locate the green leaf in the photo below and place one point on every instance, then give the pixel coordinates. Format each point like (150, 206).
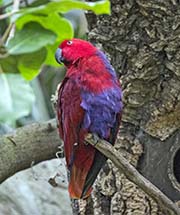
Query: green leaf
(63, 6)
(50, 59)
(29, 64)
(49, 22)
(30, 39)
(28, 73)
(38, 2)
(16, 98)
(9, 64)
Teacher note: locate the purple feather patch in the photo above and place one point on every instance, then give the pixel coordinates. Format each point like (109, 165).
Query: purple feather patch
(101, 110)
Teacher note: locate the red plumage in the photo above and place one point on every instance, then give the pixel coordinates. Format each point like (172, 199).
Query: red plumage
(70, 115)
(89, 84)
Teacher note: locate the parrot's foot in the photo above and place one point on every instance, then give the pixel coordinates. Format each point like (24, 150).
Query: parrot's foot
(93, 139)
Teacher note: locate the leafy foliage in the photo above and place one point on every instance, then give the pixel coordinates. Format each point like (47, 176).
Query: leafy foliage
(40, 29)
(30, 39)
(30, 63)
(64, 6)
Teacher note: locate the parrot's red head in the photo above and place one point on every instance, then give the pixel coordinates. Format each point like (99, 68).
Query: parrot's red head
(69, 51)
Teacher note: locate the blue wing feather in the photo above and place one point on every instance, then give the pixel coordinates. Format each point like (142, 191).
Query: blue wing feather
(101, 110)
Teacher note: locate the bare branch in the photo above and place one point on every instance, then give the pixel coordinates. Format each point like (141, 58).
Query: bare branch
(133, 175)
(6, 15)
(15, 8)
(32, 143)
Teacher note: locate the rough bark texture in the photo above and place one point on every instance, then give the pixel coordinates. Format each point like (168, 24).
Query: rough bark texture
(28, 146)
(142, 40)
(133, 175)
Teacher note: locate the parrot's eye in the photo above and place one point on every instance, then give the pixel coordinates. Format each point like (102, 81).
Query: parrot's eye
(69, 42)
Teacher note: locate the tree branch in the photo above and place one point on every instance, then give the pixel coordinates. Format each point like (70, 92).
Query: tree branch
(6, 15)
(133, 175)
(38, 142)
(28, 145)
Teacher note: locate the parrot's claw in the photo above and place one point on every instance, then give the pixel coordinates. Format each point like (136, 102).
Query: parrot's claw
(92, 138)
(95, 139)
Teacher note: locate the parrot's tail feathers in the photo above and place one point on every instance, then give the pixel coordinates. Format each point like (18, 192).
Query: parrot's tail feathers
(98, 163)
(81, 180)
(76, 182)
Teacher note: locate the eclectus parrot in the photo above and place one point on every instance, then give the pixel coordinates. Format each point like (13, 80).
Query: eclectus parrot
(89, 101)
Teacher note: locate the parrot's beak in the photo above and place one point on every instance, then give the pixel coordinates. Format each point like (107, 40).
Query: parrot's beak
(58, 56)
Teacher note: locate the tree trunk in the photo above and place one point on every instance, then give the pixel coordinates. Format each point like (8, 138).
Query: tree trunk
(142, 40)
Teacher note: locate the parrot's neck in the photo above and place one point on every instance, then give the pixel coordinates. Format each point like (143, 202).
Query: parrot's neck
(93, 74)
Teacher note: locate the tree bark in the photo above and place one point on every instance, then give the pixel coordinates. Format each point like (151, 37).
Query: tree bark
(29, 145)
(133, 175)
(141, 39)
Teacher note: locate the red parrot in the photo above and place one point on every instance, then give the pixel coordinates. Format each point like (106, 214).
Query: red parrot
(89, 101)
